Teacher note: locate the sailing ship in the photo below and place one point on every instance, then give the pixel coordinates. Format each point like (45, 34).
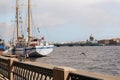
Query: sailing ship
(33, 46)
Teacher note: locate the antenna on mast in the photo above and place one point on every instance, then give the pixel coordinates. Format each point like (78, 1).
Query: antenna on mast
(17, 24)
(28, 20)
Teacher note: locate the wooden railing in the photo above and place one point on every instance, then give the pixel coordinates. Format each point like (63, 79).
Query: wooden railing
(23, 71)
(4, 68)
(15, 70)
(73, 76)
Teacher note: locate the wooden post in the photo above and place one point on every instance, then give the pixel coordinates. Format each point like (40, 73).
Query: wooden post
(10, 68)
(61, 73)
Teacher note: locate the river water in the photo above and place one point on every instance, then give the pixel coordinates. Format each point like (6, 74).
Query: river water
(100, 59)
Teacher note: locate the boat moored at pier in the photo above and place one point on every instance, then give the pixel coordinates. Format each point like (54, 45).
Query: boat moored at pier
(30, 45)
(2, 45)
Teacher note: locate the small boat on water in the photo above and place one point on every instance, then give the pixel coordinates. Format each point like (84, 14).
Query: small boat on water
(30, 46)
(2, 45)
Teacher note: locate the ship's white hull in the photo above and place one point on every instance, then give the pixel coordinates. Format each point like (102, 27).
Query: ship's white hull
(35, 51)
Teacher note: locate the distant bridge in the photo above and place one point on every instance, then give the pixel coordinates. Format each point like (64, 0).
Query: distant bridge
(75, 44)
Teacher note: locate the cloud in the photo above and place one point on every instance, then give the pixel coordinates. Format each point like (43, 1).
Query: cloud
(6, 31)
(69, 2)
(6, 6)
(90, 13)
(59, 12)
(98, 15)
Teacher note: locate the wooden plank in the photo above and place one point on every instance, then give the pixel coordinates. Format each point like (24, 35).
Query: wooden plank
(10, 55)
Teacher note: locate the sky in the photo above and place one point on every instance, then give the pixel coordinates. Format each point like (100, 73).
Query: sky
(65, 20)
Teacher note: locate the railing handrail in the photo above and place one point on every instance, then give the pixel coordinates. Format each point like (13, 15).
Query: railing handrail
(94, 75)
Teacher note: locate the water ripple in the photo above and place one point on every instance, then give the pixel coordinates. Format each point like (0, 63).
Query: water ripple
(101, 59)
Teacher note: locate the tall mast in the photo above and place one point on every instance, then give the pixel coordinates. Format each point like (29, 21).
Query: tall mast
(17, 18)
(28, 20)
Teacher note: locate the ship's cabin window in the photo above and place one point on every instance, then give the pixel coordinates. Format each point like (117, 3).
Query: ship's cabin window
(20, 44)
(35, 40)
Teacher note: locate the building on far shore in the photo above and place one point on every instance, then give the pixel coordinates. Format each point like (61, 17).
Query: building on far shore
(114, 41)
(91, 41)
(104, 42)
